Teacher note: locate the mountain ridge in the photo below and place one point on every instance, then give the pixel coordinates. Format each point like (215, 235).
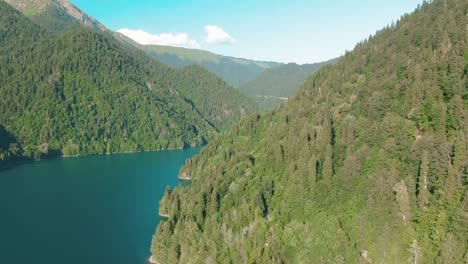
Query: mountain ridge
(52, 13)
(366, 164)
(55, 84)
(235, 71)
(275, 85)
(59, 15)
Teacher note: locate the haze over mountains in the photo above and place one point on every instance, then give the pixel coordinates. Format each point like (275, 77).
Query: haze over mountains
(75, 90)
(368, 163)
(59, 15)
(249, 75)
(275, 85)
(268, 83)
(235, 71)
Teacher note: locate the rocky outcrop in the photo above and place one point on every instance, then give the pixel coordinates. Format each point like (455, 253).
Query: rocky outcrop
(164, 215)
(152, 260)
(185, 176)
(37, 7)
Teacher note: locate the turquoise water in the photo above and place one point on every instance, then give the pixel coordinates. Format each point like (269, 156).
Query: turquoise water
(95, 209)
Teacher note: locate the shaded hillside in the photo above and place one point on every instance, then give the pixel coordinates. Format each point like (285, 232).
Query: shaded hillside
(273, 86)
(219, 103)
(234, 71)
(267, 83)
(82, 92)
(367, 164)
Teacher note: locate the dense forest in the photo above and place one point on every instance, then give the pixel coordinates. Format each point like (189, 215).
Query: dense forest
(273, 86)
(267, 83)
(234, 71)
(80, 91)
(367, 164)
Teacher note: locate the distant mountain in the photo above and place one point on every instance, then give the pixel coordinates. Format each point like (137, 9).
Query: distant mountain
(275, 85)
(234, 71)
(268, 83)
(55, 15)
(79, 91)
(368, 163)
(59, 15)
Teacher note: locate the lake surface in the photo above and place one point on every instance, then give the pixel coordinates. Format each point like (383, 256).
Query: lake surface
(95, 209)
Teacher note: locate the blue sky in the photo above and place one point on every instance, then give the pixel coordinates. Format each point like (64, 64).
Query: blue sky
(302, 31)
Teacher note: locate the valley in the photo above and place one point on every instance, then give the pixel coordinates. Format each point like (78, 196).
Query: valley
(172, 151)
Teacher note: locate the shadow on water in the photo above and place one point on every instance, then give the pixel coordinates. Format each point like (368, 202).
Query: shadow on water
(6, 138)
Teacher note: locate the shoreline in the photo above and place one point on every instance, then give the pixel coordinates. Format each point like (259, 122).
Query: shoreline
(185, 177)
(125, 152)
(162, 215)
(13, 164)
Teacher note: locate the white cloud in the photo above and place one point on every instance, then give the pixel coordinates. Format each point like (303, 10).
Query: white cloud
(216, 35)
(166, 39)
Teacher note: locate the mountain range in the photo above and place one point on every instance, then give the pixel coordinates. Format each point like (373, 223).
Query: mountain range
(268, 83)
(234, 71)
(76, 90)
(365, 162)
(254, 78)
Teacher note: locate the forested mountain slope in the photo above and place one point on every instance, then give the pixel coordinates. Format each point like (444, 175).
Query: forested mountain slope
(273, 86)
(55, 15)
(80, 92)
(234, 71)
(367, 164)
(268, 83)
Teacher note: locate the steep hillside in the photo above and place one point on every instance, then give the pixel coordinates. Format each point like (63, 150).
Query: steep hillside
(60, 15)
(275, 85)
(267, 83)
(234, 71)
(218, 102)
(367, 164)
(82, 92)
(55, 15)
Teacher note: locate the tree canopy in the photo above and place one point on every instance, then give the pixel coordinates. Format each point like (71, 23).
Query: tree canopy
(367, 164)
(80, 91)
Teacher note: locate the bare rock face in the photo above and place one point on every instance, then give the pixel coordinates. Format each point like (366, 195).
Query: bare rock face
(79, 15)
(36, 7)
(44, 148)
(152, 260)
(30, 6)
(185, 176)
(364, 256)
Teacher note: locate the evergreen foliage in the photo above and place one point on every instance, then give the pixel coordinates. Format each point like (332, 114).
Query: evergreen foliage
(367, 164)
(267, 83)
(271, 87)
(80, 92)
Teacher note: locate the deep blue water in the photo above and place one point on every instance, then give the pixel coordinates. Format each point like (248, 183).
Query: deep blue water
(94, 209)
